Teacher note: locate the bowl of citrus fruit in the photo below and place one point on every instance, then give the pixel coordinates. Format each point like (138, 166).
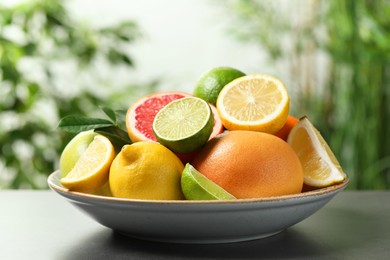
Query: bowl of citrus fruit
(225, 163)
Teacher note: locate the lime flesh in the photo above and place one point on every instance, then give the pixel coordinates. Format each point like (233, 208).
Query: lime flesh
(184, 124)
(196, 186)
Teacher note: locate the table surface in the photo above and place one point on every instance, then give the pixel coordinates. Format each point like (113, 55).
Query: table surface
(42, 225)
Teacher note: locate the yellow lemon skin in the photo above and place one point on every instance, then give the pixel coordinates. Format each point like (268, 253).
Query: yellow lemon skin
(148, 171)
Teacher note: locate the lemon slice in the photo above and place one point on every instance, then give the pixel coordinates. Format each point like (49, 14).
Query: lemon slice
(73, 150)
(91, 170)
(320, 166)
(254, 102)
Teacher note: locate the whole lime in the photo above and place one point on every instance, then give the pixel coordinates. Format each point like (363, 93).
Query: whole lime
(212, 82)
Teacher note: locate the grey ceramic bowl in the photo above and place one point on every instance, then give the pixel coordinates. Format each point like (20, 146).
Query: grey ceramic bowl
(199, 221)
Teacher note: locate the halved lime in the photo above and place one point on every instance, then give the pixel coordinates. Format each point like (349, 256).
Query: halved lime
(184, 124)
(196, 186)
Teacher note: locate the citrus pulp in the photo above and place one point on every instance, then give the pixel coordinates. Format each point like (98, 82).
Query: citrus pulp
(73, 150)
(184, 124)
(254, 102)
(320, 165)
(140, 115)
(91, 169)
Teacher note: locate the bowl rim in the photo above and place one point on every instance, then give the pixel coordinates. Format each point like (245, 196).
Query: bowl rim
(307, 194)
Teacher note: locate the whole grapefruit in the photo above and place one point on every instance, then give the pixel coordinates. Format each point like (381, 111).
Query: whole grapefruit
(251, 164)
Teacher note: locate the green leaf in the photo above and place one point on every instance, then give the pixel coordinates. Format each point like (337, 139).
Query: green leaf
(121, 118)
(76, 124)
(110, 113)
(117, 57)
(126, 31)
(117, 136)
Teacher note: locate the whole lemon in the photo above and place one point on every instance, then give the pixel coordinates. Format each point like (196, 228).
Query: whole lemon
(146, 170)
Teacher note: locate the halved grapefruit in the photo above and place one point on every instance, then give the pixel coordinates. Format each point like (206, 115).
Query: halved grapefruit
(140, 115)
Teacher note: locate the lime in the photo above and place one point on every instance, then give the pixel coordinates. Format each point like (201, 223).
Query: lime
(184, 124)
(196, 186)
(211, 83)
(92, 168)
(73, 150)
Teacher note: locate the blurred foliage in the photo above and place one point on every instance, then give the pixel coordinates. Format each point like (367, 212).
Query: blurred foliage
(338, 69)
(38, 41)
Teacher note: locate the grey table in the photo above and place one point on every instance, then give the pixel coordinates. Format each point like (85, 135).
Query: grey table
(42, 225)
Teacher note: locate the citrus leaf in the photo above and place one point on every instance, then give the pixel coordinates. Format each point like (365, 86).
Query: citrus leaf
(110, 113)
(117, 136)
(121, 118)
(76, 124)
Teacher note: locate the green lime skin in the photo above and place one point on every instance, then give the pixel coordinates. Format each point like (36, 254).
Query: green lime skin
(196, 186)
(184, 125)
(212, 82)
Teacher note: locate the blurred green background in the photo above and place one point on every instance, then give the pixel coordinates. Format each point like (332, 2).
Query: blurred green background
(333, 55)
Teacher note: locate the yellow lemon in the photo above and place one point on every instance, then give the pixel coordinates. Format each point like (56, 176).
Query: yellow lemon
(91, 169)
(255, 102)
(146, 170)
(320, 166)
